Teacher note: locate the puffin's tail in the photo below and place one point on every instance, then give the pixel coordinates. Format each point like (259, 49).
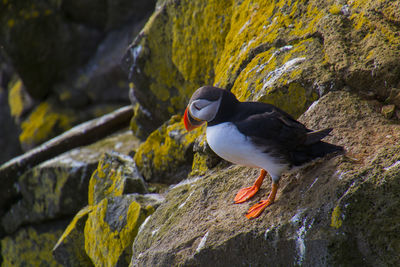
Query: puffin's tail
(317, 150)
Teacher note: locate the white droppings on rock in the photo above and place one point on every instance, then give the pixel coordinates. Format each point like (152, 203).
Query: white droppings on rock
(394, 165)
(183, 204)
(143, 224)
(202, 243)
(118, 145)
(312, 107)
(296, 218)
(300, 241)
(277, 73)
(316, 179)
(155, 231)
(185, 182)
(135, 53)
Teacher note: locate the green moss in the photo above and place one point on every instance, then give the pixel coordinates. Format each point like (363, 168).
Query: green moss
(29, 248)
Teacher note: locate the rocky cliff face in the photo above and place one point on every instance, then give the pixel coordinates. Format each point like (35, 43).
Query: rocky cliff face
(163, 198)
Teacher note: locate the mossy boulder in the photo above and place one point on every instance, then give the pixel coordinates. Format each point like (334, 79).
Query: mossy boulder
(339, 210)
(31, 246)
(280, 52)
(102, 233)
(54, 189)
(59, 187)
(115, 175)
(45, 121)
(111, 228)
(175, 54)
(167, 154)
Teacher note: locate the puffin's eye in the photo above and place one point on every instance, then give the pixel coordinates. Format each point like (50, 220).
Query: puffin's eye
(196, 107)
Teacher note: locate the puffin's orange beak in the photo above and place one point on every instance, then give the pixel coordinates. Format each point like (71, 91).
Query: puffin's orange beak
(190, 122)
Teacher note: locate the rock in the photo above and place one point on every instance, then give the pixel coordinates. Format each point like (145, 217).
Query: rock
(58, 187)
(107, 14)
(70, 248)
(111, 228)
(329, 213)
(31, 246)
(167, 154)
(57, 46)
(83, 134)
(102, 233)
(115, 175)
(164, 79)
(54, 189)
(9, 131)
(287, 54)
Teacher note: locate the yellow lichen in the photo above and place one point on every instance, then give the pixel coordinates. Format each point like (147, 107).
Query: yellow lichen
(199, 166)
(104, 245)
(42, 124)
(11, 23)
(105, 181)
(335, 9)
(336, 220)
(161, 150)
(29, 248)
(83, 212)
(16, 99)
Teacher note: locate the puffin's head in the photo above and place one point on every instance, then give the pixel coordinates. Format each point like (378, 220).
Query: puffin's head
(202, 107)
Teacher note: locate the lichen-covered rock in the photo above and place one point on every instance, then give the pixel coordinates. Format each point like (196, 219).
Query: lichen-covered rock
(335, 211)
(54, 189)
(115, 175)
(70, 248)
(167, 154)
(59, 187)
(9, 131)
(111, 228)
(31, 246)
(45, 122)
(175, 54)
(280, 52)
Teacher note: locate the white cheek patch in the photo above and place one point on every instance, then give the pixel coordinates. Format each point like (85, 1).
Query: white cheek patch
(205, 110)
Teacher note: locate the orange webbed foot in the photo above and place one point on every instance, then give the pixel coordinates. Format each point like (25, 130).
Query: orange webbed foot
(258, 208)
(245, 193)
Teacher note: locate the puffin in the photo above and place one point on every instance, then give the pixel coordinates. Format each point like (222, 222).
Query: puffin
(257, 135)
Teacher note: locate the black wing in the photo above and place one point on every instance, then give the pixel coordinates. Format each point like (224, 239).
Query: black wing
(270, 126)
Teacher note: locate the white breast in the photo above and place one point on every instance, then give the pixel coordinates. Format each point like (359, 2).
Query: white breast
(230, 144)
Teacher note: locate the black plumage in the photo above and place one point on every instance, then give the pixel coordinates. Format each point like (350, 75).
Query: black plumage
(275, 130)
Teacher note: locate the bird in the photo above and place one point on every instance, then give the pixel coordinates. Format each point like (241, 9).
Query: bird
(256, 135)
